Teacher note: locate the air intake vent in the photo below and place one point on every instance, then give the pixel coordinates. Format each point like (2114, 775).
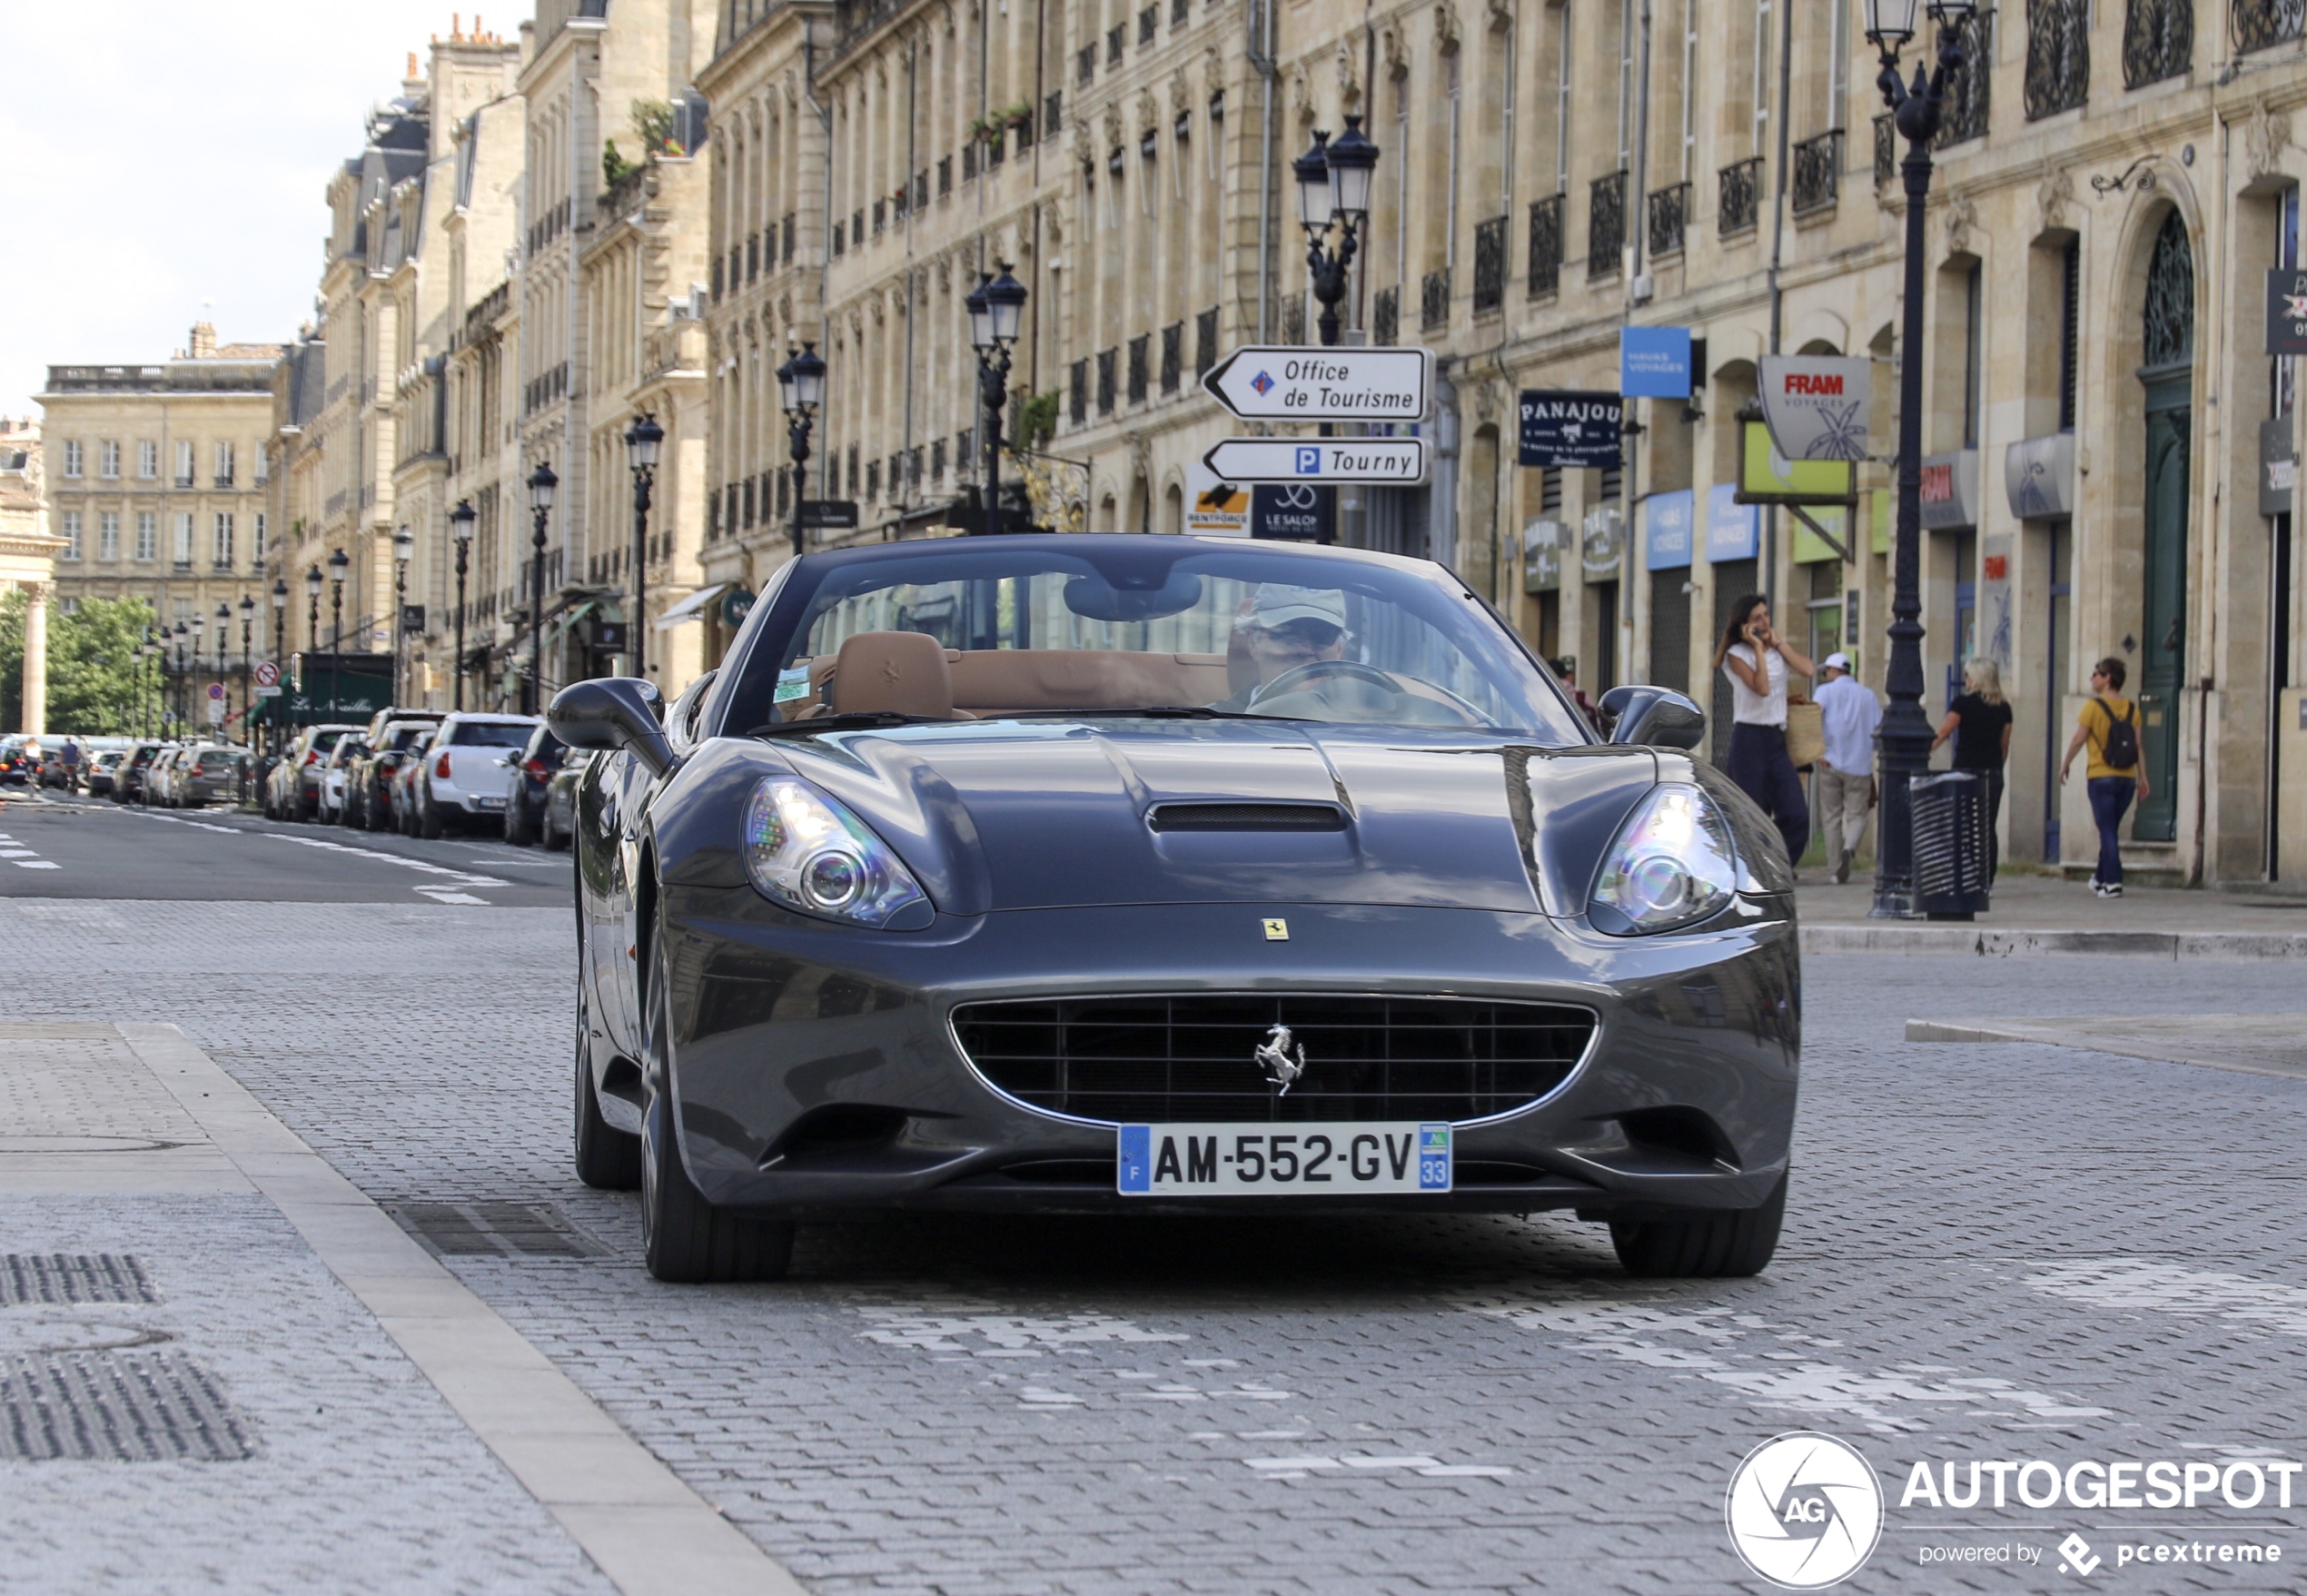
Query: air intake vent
(1247, 817)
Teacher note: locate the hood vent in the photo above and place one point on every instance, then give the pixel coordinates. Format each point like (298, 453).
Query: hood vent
(1246, 817)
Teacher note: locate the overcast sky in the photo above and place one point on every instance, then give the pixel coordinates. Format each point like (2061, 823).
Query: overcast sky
(158, 156)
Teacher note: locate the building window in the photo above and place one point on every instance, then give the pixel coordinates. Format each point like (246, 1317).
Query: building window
(147, 536)
(224, 465)
(72, 534)
(71, 456)
(185, 464)
(108, 460)
(223, 551)
(148, 460)
(256, 553)
(183, 549)
(263, 469)
(108, 536)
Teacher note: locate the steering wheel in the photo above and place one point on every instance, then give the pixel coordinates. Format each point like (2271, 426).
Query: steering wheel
(1293, 679)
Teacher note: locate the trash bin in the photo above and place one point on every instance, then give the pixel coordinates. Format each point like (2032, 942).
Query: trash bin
(1949, 813)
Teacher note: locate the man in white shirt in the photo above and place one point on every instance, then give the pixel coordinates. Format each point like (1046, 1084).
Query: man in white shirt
(1846, 773)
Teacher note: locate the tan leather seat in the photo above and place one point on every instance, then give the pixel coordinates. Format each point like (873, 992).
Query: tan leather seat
(894, 672)
(990, 680)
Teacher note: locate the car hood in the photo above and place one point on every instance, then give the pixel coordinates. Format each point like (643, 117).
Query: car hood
(1030, 814)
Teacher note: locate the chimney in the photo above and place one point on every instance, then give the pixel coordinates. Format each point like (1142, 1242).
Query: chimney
(204, 346)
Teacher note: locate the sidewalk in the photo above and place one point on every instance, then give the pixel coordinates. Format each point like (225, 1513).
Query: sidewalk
(305, 1399)
(2042, 915)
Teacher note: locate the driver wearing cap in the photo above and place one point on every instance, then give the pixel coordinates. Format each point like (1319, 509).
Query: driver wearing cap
(1287, 628)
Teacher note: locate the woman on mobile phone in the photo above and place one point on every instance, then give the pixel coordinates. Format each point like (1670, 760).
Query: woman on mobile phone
(1756, 660)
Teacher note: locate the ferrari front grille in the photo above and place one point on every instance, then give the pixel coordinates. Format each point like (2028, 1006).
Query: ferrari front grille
(1192, 1058)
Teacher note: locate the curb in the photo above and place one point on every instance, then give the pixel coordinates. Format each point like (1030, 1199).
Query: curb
(1964, 941)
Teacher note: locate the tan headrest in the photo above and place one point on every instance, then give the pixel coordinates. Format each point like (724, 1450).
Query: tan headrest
(894, 672)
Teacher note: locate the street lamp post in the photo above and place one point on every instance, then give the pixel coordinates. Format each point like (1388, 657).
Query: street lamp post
(311, 615)
(338, 565)
(541, 483)
(248, 704)
(404, 544)
(643, 439)
(223, 643)
(461, 522)
(177, 710)
(1333, 190)
(996, 306)
(1904, 737)
(800, 383)
(280, 646)
(192, 668)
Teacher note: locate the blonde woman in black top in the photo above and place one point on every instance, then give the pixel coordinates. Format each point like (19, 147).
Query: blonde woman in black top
(1979, 721)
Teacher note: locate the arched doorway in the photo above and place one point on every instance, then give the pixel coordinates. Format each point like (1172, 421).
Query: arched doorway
(2166, 367)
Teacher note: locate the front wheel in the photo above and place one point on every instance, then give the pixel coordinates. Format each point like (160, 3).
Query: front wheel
(428, 821)
(684, 1238)
(1706, 1244)
(520, 830)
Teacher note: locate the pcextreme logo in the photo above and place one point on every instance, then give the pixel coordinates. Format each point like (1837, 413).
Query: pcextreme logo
(1804, 1510)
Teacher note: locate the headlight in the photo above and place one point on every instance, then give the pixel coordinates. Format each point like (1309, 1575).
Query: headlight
(806, 850)
(1672, 865)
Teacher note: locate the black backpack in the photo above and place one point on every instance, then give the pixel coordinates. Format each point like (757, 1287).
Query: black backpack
(2120, 751)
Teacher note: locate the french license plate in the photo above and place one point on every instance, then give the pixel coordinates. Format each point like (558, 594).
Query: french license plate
(1310, 1159)
(489, 803)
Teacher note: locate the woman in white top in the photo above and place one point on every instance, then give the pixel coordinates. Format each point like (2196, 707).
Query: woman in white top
(1756, 660)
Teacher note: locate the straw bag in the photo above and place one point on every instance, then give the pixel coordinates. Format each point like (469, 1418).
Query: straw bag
(1806, 733)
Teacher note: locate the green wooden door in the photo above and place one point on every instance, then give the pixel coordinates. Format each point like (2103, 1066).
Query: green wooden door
(2168, 342)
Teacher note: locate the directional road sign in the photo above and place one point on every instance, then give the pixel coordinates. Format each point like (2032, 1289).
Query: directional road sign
(1319, 460)
(1295, 383)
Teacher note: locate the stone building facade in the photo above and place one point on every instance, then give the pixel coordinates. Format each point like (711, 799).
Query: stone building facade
(156, 486)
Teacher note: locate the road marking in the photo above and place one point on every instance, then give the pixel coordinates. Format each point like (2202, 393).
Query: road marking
(203, 825)
(37, 865)
(650, 1533)
(23, 858)
(464, 878)
(450, 895)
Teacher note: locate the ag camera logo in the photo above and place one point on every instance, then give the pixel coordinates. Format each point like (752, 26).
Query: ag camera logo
(1804, 1510)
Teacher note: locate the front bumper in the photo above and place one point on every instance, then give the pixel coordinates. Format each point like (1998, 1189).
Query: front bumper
(815, 1069)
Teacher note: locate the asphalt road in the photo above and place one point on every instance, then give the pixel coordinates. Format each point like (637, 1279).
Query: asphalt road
(57, 848)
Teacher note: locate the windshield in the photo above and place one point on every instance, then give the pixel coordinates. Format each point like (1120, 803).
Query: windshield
(1079, 625)
(325, 741)
(491, 734)
(405, 738)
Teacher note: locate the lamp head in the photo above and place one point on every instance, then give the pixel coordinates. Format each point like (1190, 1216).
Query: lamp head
(1891, 23)
(200, 623)
(541, 483)
(808, 378)
(643, 439)
(1954, 13)
(339, 563)
(313, 582)
(460, 521)
(224, 615)
(1005, 299)
(1354, 162)
(981, 315)
(280, 594)
(1312, 170)
(248, 609)
(404, 545)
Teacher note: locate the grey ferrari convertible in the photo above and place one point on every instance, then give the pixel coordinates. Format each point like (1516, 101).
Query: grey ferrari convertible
(1123, 875)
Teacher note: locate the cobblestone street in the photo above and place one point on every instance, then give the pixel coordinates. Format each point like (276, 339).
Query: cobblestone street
(1993, 1252)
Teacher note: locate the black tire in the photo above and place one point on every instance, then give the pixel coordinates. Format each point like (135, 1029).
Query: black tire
(685, 1240)
(608, 1159)
(428, 821)
(1711, 1244)
(519, 830)
(555, 838)
(379, 815)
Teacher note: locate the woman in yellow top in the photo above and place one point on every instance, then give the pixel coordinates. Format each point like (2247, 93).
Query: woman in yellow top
(2109, 728)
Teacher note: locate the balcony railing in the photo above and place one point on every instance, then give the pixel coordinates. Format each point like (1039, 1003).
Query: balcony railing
(1433, 300)
(1205, 341)
(1965, 116)
(1737, 201)
(1545, 246)
(1489, 264)
(2158, 40)
(1669, 213)
(1817, 168)
(1885, 148)
(2058, 55)
(1385, 317)
(1606, 224)
(1173, 355)
(1078, 401)
(2260, 24)
(1106, 358)
(1137, 368)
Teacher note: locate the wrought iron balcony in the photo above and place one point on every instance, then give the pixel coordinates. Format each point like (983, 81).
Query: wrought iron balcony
(1385, 316)
(1669, 213)
(1205, 341)
(2158, 40)
(1885, 148)
(1173, 355)
(1545, 246)
(1965, 116)
(2260, 24)
(1433, 301)
(1137, 367)
(2058, 55)
(1106, 363)
(1738, 199)
(1606, 224)
(1489, 264)
(1817, 171)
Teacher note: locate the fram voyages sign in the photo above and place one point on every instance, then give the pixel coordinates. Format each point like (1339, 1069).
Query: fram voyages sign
(1816, 405)
(1571, 429)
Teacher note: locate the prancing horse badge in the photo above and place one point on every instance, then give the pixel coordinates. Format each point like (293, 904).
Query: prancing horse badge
(1277, 930)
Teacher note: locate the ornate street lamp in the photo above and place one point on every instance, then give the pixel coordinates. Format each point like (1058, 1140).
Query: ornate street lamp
(1905, 735)
(280, 649)
(800, 385)
(405, 546)
(178, 712)
(643, 439)
(541, 484)
(461, 522)
(996, 307)
(339, 563)
(248, 706)
(224, 638)
(192, 668)
(1333, 190)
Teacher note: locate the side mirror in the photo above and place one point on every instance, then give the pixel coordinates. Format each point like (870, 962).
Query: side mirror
(1655, 717)
(612, 712)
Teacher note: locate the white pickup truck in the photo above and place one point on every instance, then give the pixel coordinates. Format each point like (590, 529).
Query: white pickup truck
(464, 781)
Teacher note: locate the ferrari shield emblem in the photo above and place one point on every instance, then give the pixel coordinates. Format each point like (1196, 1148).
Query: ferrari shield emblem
(1277, 930)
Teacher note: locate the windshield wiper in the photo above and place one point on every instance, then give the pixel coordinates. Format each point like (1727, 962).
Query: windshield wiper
(848, 720)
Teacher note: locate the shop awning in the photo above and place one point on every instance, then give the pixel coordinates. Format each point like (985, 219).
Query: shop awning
(691, 608)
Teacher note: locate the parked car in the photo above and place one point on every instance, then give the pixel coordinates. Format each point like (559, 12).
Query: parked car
(128, 777)
(336, 772)
(294, 790)
(557, 821)
(464, 778)
(102, 771)
(207, 773)
(159, 777)
(18, 757)
(406, 775)
(530, 769)
(368, 801)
